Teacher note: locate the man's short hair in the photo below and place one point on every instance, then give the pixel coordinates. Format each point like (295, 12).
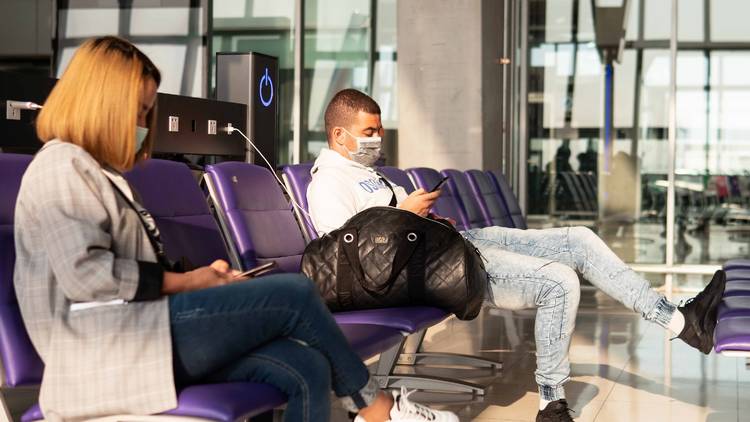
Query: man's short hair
(345, 105)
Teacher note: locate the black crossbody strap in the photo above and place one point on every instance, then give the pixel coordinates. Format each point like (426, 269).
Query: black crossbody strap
(153, 238)
(394, 200)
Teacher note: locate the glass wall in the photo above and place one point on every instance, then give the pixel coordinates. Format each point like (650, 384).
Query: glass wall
(337, 56)
(345, 46)
(576, 176)
(384, 69)
(172, 36)
(264, 27)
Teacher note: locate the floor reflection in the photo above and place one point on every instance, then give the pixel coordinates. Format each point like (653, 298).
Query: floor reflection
(623, 369)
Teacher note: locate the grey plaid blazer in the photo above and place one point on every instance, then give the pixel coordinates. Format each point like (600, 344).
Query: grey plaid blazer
(77, 241)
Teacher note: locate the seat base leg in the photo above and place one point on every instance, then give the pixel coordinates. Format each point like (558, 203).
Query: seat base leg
(430, 358)
(429, 383)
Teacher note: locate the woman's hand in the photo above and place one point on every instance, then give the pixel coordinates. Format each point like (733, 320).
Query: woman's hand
(217, 274)
(420, 202)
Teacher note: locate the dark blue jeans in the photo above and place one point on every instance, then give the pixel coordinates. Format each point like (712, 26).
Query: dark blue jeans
(274, 330)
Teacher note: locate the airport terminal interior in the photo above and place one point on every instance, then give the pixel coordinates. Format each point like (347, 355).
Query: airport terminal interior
(628, 117)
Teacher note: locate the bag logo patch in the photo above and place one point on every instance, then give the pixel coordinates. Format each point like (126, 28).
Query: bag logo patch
(380, 240)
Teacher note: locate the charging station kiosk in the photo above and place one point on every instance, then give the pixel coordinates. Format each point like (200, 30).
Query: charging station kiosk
(252, 79)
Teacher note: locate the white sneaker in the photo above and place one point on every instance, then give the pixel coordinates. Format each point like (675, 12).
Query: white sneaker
(404, 410)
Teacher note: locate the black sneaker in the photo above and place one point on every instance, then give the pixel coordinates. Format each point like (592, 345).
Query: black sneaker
(700, 314)
(556, 411)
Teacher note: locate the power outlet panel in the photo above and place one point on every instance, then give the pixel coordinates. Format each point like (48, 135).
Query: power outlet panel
(12, 113)
(174, 124)
(184, 126)
(212, 127)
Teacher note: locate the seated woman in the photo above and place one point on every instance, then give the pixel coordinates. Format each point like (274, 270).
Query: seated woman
(118, 330)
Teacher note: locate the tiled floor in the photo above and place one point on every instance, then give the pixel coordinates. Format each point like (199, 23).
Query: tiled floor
(623, 369)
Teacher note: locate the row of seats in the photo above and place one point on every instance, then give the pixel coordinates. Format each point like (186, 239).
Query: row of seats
(732, 334)
(474, 198)
(257, 226)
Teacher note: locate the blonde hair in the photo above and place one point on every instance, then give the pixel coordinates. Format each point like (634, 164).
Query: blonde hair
(95, 103)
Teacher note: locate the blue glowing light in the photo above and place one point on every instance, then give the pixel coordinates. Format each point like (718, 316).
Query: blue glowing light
(265, 80)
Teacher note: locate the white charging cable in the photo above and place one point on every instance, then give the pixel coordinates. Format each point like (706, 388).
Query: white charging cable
(24, 105)
(231, 129)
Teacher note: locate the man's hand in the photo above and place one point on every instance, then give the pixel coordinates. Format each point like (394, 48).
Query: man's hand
(420, 202)
(217, 274)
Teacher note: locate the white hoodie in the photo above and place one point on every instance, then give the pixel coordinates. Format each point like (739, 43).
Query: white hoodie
(341, 188)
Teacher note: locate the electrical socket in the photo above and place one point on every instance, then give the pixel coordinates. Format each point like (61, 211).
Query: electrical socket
(212, 127)
(12, 113)
(174, 124)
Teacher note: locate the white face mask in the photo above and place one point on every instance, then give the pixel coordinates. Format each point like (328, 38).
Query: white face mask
(368, 149)
(140, 136)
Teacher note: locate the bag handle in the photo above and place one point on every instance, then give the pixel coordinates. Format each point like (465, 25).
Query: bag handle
(410, 255)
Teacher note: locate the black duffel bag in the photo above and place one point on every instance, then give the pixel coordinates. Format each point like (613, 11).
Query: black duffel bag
(388, 257)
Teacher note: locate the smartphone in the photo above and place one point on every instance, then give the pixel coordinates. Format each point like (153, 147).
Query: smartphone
(258, 271)
(440, 183)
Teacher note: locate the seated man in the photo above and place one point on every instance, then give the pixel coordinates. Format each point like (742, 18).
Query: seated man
(527, 268)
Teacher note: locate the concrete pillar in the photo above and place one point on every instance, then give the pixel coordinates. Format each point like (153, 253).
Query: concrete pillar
(449, 83)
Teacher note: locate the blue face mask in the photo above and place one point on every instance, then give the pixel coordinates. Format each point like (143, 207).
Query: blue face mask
(140, 136)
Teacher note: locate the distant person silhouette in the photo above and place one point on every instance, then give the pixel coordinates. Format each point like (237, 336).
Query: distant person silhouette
(588, 159)
(562, 159)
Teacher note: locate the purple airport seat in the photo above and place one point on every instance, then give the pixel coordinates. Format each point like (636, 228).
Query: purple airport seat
(449, 204)
(732, 336)
(227, 402)
(459, 183)
(737, 288)
(297, 177)
(259, 186)
(408, 319)
(397, 176)
(738, 274)
(489, 198)
(21, 365)
(737, 264)
(509, 199)
(170, 193)
(733, 306)
(257, 219)
(368, 340)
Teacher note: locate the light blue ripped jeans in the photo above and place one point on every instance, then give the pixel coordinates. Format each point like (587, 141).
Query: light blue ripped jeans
(537, 269)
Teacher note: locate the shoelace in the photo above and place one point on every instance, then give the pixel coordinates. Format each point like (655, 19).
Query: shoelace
(568, 414)
(565, 413)
(416, 409)
(685, 302)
